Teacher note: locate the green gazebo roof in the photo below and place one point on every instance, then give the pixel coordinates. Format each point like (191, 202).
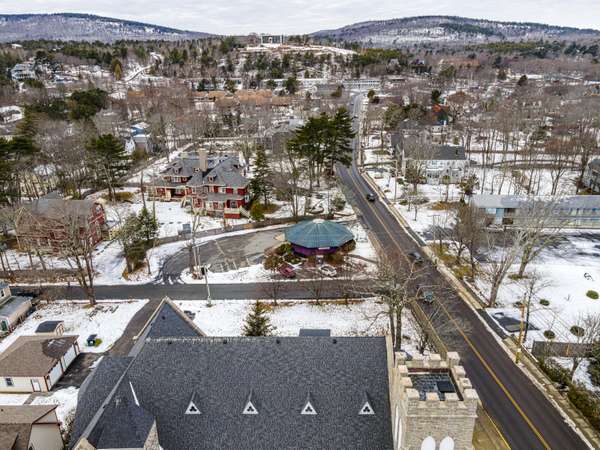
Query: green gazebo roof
(318, 233)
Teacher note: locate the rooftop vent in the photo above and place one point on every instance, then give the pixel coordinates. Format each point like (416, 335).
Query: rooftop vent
(309, 409)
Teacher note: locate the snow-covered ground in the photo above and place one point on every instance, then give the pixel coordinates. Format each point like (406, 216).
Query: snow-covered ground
(563, 270)
(66, 399)
(363, 318)
(107, 319)
(581, 374)
(13, 399)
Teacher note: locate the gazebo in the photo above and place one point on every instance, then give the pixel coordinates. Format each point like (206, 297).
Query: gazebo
(317, 237)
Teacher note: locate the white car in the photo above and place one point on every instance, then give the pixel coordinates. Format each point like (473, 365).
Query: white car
(328, 270)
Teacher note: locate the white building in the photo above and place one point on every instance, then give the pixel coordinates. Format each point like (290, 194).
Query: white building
(438, 163)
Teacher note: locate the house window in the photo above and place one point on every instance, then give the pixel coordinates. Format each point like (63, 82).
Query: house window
(9, 382)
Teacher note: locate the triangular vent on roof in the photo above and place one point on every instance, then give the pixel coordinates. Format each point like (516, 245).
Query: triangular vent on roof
(308, 409)
(250, 409)
(192, 408)
(366, 410)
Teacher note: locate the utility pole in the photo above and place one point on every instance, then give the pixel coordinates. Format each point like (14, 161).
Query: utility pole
(396, 180)
(208, 298)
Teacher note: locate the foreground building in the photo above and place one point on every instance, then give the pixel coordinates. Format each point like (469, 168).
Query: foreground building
(180, 389)
(29, 427)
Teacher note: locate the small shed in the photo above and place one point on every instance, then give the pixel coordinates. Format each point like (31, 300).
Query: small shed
(51, 327)
(318, 237)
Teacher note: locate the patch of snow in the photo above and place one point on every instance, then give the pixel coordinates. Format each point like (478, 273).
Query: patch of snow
(107, 319)
(66, 399)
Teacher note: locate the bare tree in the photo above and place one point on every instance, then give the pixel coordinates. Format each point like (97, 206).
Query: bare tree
(541, 229)
(532, 286)
(468, 233)
(586, 330)
(502, 253)
(396, 283)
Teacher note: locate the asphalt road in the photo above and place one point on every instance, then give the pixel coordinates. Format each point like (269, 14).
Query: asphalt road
(293, 290)
(524, 415)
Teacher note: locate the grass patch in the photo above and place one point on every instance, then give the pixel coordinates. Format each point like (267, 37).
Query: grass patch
(123, 196)
(515, 277)
(270, 208)
(544, 302)
(444, 206)
(592, 294)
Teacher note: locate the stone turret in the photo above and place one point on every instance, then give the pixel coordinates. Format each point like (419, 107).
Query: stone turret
(434, 405)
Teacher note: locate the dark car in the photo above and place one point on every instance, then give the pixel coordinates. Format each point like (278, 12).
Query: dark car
(424, 294)
(371, 197)
(287, 271)
(416, 257)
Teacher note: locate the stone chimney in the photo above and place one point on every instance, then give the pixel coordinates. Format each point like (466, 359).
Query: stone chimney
(202, 160)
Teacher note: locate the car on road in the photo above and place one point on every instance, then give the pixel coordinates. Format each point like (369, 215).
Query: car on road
(328, 270)
(371, 197)
(416, 257)
(425, 295)
(287, 271)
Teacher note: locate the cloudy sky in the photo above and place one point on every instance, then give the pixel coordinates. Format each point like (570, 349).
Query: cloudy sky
(303, 16)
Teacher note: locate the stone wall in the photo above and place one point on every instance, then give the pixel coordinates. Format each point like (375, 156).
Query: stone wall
(440, 422)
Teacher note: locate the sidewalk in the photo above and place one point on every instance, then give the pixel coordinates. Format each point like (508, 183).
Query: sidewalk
(529, 365)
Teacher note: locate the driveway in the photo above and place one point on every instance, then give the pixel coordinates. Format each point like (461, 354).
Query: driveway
(223, 255)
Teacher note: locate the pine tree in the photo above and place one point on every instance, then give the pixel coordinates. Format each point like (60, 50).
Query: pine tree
(148, 227)
(109, 160)
(261, 185)
(258, 322)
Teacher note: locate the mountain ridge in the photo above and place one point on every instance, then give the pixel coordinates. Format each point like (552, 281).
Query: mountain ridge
(449, 29)
(85, 27)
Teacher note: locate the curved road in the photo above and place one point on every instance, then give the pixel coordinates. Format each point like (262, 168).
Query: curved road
(524, 415)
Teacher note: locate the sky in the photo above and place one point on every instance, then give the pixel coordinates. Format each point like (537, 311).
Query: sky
(305, 16)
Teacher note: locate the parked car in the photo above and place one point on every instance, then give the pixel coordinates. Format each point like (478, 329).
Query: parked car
(328, 270)
(416, 257)
(425, 295)
(287, 271)
(371, 197)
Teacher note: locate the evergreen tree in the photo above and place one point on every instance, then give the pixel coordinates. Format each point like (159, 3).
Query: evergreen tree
(108, 160)
(339, 133)
(117, 68)
(261, 185)
(147, 226)
(258, 322)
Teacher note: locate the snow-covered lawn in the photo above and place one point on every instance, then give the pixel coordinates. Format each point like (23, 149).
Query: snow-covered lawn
(563, 269)
(362, 318)
(107, 319)
(66, 399)
(13, 399)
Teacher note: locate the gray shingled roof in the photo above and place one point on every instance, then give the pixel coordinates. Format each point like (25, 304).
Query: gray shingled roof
(281, 373)
(278, 374)
(94, 391)
(170, 321)
(124, 423)
(443, 153)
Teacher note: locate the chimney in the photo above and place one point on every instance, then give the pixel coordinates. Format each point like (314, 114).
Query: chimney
(202, 160)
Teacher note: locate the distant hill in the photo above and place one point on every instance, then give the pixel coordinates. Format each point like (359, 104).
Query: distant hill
(449, 29)
(84, 27)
